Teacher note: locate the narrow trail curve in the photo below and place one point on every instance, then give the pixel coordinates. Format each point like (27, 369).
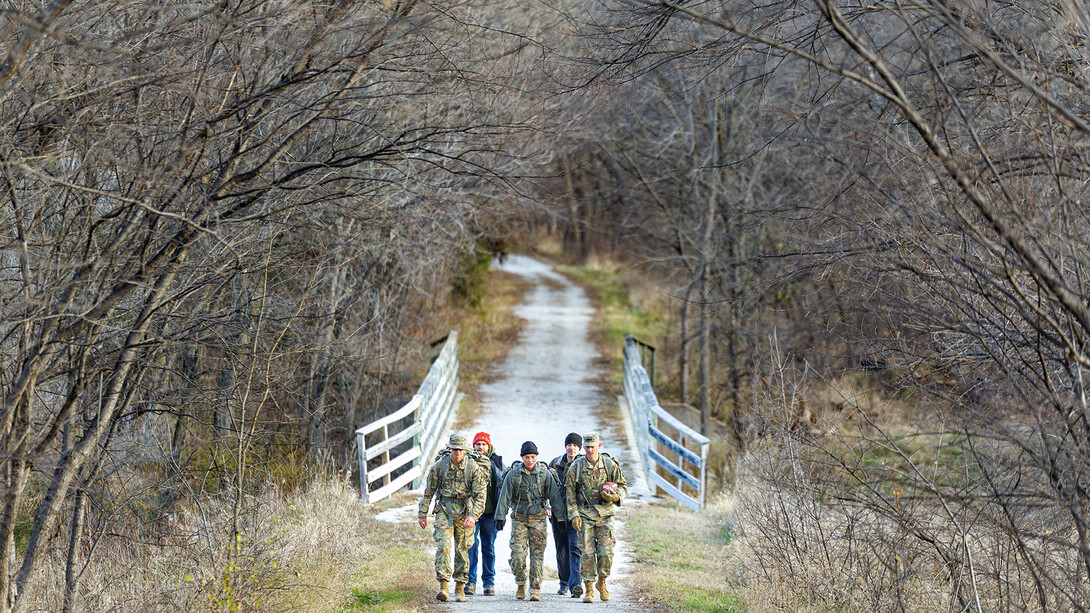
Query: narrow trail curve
(547, 388)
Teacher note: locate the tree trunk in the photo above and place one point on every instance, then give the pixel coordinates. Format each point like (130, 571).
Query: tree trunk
(69, 467)
(75, 535)
(18, 471)
(575, 242)
(705, 272)
(682, 360)
(705, 358)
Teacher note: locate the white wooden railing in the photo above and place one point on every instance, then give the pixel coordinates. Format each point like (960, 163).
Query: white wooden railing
(431, 408)
(688, 447)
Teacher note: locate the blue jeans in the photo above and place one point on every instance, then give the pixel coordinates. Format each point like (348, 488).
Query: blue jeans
(569, 553)
(486, 524)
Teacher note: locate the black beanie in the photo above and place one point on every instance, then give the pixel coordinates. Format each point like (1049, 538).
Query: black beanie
(573, 438)
(528, 447)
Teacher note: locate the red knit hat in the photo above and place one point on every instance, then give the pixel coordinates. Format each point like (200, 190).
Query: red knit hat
(482, 436)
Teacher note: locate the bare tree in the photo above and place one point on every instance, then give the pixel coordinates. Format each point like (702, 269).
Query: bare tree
(952, 141)
(200, 202)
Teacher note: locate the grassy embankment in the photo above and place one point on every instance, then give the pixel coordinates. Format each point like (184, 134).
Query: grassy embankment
(485, 336)
(306, 544)
(680, 559)
(393, 563)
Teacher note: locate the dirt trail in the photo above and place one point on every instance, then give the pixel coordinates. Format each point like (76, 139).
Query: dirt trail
(545, 389)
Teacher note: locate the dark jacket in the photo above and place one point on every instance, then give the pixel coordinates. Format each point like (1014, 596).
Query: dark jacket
(560, 467)
(493, 481)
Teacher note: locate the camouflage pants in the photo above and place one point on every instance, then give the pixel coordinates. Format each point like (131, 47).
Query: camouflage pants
(598, 542)
(528, 533)
(462, 539)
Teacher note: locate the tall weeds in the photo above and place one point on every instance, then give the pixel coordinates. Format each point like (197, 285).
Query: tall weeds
(298, 552)
(875, 514)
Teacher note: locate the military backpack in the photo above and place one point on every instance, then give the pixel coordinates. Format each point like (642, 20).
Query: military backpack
(482, 462)
(536, 482)
(611, 466)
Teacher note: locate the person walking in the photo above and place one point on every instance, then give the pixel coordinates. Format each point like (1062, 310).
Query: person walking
(531, 491)
(484, 537)
(459, 486)
(594, 487)
(569, 551)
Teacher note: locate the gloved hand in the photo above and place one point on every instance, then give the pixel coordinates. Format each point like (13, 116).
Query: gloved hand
(610, 496)
(499, 523)
(577, 523)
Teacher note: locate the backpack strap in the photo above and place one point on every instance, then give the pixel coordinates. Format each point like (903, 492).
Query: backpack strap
(537, 483)
(578, 476)
(442, 478)
(615, 467)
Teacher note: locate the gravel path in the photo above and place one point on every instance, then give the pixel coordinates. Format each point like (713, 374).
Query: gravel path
(546, 389)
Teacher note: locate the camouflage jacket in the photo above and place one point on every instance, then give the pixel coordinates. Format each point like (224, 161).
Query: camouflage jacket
(527, 492)
(459, 489)
(583, 486)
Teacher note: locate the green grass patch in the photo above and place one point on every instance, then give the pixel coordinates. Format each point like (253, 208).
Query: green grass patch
(697, 600)
(23, 526)
(471, 277)
(375, 600)
(387, 585)
(619, 315)
(895, 458)
(403, 557)
(681, 558)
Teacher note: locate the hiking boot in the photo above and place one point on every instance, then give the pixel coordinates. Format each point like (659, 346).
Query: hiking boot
(602, 588)
(489, 591)
(471, 589)
(576, 590)
(521, 593)
(563, 591)
(588, 591)
(535, 596)
(460, 592)
(442, 595)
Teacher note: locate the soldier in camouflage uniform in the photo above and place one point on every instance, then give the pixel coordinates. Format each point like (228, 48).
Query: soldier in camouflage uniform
(590, 510)
(531, 490)
(459, 486)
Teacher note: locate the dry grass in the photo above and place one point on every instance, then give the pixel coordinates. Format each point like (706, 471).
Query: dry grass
(317, 551)
(486, 336)
(682, 560)
(550, 247)
(795, 553)
(853, 396)
(763, 549)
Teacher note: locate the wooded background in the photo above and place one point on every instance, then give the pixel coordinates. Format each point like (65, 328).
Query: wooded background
(231, 230)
